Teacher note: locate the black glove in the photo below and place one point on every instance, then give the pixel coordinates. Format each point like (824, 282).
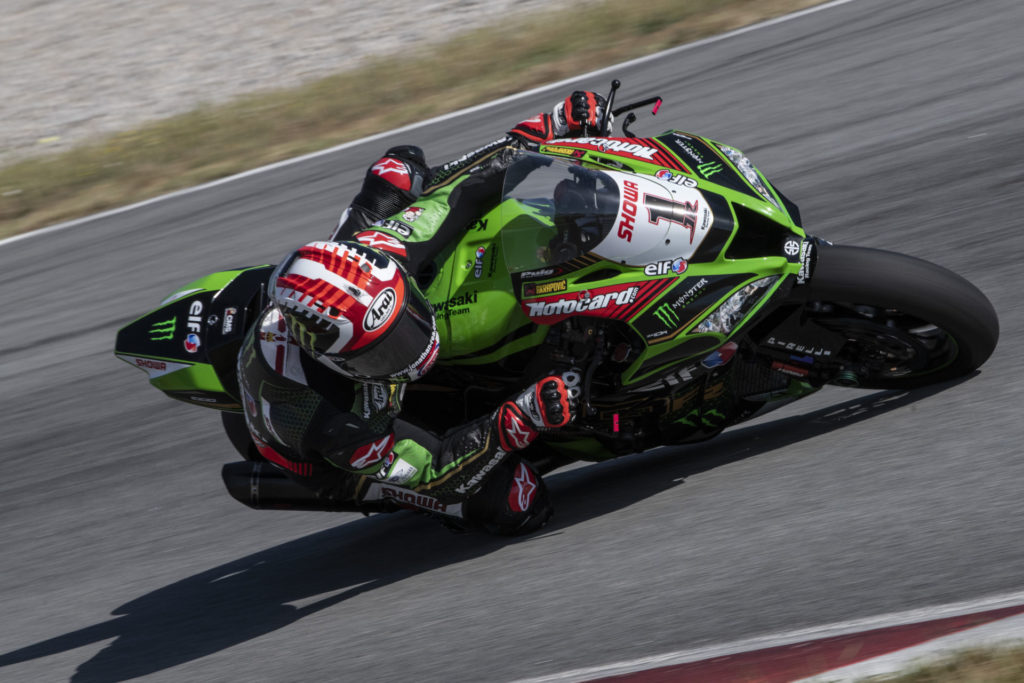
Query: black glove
(580, 114)
(548, 404)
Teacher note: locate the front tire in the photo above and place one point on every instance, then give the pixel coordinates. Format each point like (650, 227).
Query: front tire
(908, 322)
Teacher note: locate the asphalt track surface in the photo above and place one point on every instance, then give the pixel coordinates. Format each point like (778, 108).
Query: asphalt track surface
(893, 125)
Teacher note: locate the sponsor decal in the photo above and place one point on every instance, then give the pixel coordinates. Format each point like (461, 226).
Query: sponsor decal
(412, 213)
(394, 171)
(192, 342)
(163, 330)
(682, 144)
(618, 146)
(675, 266)
(375, 399)
(150, 364)
(524, 488)
(476, 478)
(805, 263)
(456, 305)
(419, 500)
(195, 320)
(494, 263)
(379, 240)
(371, 453)
(426, 359)
(542, 288)
(685, 181)
(667, 316)
(818, 351)
(400, 472)
(398, 226)
(655, 335)
(676, 178)
(585, 303)
(554, 149)
(720, 356)
(380, 310)
(690, 294)
(544, 272)
(229, 320)
(478, 266)
(791, 248)
(630, 195)
(710, 168)
(516, 435)
(153, 367)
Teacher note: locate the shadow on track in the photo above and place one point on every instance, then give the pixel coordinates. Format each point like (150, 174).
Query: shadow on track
(253, 596)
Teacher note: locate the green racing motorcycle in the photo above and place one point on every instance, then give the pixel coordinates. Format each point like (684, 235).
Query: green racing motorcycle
(667, 270)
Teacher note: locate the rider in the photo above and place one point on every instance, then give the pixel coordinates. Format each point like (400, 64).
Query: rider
(470, 183)
(324, 368)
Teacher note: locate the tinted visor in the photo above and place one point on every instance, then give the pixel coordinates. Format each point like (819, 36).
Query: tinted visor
(407, 343)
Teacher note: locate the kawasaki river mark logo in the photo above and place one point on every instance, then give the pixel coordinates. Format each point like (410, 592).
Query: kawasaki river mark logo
(162, 331)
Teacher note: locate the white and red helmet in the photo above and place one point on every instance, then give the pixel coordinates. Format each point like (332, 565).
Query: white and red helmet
(356, 311)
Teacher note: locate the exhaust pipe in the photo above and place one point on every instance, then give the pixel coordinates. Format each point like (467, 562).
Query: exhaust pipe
(262, 486)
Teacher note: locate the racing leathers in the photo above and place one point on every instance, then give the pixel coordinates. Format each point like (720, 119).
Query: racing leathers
(348, 441)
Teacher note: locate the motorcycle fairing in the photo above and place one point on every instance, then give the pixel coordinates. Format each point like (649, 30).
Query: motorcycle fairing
(189, 344)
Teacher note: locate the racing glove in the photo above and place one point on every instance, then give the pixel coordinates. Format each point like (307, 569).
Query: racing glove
(548, 404)
(578, 114)
(391, 183)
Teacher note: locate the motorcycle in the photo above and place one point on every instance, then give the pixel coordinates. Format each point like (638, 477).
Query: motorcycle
(668, 270)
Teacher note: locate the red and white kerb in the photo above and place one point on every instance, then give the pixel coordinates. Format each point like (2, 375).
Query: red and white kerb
(340, 284)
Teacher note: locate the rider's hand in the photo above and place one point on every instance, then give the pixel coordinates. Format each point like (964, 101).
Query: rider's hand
(580, 114)
(548, 404)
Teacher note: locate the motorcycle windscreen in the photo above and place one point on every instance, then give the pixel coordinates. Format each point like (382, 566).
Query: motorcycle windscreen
(553, 211)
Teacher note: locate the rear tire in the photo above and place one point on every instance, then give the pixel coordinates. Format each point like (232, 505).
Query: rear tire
(908, 322)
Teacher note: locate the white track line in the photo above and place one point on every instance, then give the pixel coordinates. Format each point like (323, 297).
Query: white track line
(436, 119)
(783, 638)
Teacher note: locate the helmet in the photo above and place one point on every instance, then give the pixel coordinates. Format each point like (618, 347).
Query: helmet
(356, 311)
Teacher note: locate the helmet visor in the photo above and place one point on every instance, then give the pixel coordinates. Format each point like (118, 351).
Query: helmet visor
(404, 353)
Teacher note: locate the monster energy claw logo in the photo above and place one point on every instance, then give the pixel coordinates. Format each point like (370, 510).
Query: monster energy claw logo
(303, 337)
(162, 331)
(667, 316)
(709, 168)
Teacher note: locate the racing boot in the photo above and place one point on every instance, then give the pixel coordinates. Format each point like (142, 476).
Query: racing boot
(512, 502)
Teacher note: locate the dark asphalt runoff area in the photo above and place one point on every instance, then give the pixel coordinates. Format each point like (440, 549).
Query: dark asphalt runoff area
(892, 125)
